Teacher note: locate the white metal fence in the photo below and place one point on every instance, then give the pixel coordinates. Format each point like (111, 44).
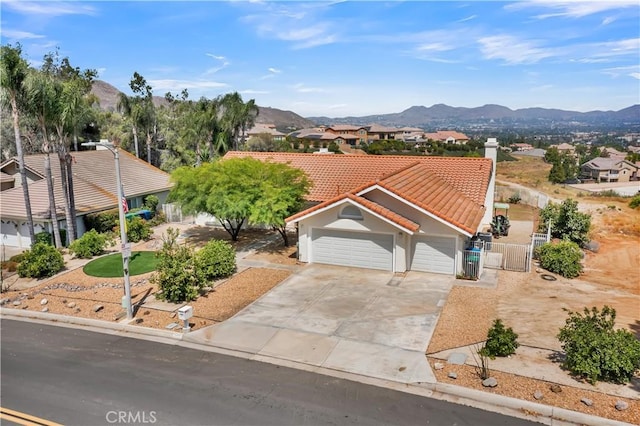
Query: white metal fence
(472, 264)
(172, 212)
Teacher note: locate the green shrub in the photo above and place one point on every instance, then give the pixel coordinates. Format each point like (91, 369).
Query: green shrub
(102, 222)
(47, 238)
(216, 260)
(158, 219)
(151, 203)
(635, 202)
(177, 274)
(514, 199)
(137, 229)
(17, 258)
(90, 244)
(43, 260)
(595, 351)
(501, 341)
(562, 258)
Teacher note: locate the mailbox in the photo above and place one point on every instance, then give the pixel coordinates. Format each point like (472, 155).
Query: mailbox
(185, 312)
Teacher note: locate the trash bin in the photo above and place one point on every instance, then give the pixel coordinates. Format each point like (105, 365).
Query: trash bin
(472, 263)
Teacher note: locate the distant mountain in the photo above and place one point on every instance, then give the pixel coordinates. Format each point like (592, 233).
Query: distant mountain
(108, 96)
(285, 121)
(443, 115)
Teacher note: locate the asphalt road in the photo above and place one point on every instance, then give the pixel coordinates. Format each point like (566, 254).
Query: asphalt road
(76, 377)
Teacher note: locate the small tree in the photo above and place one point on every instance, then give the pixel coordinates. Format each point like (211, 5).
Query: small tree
(501, 341)
(567, 223)
(562, 258)
(177, 274)
(595, 351)
(43, 260)
(151, 203)
(138, 229)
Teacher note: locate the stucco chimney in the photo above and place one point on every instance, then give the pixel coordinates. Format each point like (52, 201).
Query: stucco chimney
(490, 151)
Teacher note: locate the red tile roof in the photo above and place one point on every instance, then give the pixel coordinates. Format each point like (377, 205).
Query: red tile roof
(333, 175)
(451, 188)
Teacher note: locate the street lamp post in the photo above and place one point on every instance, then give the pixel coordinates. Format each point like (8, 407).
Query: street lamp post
(126, 299)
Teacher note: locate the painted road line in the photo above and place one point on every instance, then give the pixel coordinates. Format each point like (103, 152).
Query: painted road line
(24, 419)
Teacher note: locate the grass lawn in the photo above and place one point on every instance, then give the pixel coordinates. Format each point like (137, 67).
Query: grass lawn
(110, 266)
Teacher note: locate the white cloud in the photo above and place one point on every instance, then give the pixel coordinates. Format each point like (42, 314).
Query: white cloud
(49, 8)
(630, 71)
(254, 92)
(608, 20)
(573, 8)
(301, 88)
(543, 88)
(223, 63)
(513, 50)
(274, 70)
(177, 85)
(19, 35)
(468, 18)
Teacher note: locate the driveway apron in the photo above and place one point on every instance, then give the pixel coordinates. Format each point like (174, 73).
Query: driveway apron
(361, 321)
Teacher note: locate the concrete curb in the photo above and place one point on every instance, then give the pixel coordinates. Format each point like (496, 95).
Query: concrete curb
(533, 411)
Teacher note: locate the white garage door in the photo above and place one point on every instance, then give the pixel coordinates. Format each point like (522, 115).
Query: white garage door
(9, 234)
(434, 254)
(359, 249)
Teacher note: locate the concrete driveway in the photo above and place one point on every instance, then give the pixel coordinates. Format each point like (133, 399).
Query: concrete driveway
(361, 321)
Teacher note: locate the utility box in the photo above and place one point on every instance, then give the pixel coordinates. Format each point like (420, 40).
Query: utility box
(185, 312)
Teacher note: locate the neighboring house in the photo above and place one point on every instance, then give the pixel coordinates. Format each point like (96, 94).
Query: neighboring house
(377, 132)
(94, 183)
(323, 137)
(607, 169)
(6, 181)
(521, 147)
(395, 213)
(448, 136)
(613, 153)
(269, 129)
(565, 148)
(410, 134)
(357, 133)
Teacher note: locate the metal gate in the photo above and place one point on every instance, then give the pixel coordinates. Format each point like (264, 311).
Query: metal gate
(510, 257)
(172, 212)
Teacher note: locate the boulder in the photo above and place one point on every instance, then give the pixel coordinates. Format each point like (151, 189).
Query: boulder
(491, 382)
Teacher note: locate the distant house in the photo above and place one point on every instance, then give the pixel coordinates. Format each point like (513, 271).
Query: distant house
(448, 136)
(377, 132)
(349, 131)
(565, 148)
(521, 147)
(613, 153)
(269, 129)
(322, 137)
(603, 169)
(394, 213)
(94, 183)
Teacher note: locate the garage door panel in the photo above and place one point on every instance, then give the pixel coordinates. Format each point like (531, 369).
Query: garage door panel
(345, 248)
(433, 254)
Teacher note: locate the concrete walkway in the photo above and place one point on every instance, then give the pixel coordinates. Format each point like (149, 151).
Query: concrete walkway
(372, 323)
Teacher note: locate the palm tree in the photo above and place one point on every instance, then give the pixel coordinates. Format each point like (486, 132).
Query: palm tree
(129, 107)
(12, 76)
(42, 94)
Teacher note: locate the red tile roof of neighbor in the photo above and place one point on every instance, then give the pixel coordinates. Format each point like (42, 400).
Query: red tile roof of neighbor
(452, 188)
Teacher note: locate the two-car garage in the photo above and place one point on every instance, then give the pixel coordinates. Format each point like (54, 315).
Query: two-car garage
(376, 251)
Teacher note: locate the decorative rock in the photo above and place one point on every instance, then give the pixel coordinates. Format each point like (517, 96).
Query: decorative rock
(25, 307)
(97, 308)
(539, 270)
(119, 315)
(45, 309)
(137, 320)
(16, 303)
(621, 405)
(491, 382)
(452, 375)
(30, 297)
(173, 315)
(71, 305)
(457, 358)
(587, 402)
(64, 300)
(538, 395)
(438, 366)
(171, 326)
(146, 312)
(4, 301)
(555, 388)
(76, 310)
(44, 301)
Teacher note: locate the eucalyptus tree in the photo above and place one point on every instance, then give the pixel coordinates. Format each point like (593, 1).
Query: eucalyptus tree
(13, 72)
(146, 110)
(131, 109)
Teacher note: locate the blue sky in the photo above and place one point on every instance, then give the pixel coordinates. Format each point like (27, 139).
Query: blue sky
(350, 58)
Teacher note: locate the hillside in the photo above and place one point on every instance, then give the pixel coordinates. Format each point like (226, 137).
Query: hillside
(285, 121)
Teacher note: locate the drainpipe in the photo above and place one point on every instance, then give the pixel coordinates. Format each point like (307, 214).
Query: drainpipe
(490, 151)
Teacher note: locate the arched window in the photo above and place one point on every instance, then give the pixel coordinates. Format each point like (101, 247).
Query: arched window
(350, 212)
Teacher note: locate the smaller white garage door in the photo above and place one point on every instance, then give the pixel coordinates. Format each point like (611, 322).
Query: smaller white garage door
(434, 254)
(359, 249)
